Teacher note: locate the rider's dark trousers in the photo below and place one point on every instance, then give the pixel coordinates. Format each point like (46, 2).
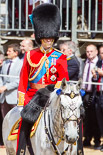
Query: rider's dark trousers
(24, 138)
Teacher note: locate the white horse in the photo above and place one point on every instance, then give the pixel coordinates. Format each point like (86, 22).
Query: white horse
(58, 128)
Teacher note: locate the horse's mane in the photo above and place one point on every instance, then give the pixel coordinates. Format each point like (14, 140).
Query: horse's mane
(53, 100)
(55, 115)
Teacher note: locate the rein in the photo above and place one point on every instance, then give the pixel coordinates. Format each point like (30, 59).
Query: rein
(50, 135)
(51, 138)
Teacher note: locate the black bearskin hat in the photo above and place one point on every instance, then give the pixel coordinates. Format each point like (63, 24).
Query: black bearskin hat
(46, 20)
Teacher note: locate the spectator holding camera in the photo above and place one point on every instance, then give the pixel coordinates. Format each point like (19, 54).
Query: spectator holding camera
(91, 128)
(98, 77)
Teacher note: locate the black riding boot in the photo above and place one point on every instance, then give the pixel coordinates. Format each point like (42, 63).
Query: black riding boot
(24, 138)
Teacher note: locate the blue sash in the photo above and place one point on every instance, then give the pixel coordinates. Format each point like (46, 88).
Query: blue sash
(43, 70)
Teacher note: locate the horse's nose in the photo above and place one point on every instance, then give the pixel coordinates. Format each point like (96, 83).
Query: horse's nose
(70, 140)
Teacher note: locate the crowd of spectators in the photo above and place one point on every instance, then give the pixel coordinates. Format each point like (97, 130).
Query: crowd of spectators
(90, 71)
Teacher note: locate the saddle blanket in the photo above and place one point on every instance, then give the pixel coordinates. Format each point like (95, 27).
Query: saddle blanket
(14, 131)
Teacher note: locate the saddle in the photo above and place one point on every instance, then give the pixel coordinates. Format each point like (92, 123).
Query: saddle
(14, 131)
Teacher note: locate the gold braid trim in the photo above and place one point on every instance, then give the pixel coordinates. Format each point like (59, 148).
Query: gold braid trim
(21, 98)
(30, 79)
(36, 124)
(33, 64)
(14, 130)
(40, 64)
(31, 71)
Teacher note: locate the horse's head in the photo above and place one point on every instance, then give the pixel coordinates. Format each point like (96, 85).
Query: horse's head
(70, 103)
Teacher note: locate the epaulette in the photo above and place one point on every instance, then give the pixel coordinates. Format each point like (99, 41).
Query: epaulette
(58, 51)
(30, 62)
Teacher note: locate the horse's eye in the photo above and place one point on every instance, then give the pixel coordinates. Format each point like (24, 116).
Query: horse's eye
(62, 107)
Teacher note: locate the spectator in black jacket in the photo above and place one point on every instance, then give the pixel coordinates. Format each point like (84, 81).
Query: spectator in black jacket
(69, 49)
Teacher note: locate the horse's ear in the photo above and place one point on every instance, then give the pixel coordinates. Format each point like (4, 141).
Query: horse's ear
(79, 84)
(64, 83)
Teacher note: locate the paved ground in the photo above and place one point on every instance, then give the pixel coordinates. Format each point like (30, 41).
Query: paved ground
(91, 151)
(87, 151)
(2, 151)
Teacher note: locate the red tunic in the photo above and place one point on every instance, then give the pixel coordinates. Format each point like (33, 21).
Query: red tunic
(57, 71)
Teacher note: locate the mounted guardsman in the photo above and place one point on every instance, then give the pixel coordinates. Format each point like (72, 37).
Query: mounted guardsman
(42, 67)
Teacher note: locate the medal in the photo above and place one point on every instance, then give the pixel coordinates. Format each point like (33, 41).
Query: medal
(53, 78)
(53, 70)
(53, 61)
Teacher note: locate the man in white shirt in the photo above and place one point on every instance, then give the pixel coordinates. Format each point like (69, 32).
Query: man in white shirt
(91, 128)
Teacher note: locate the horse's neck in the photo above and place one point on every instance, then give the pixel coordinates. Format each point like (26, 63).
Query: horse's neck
(55, 126)
(55, 122)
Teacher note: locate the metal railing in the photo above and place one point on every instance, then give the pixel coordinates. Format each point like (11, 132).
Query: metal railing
(81, 19)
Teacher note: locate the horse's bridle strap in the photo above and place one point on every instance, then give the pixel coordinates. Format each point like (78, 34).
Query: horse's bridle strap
(51, 138)
(58, 142)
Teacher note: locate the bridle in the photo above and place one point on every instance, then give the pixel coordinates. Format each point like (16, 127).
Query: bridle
(48, 130)
(73, 109)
